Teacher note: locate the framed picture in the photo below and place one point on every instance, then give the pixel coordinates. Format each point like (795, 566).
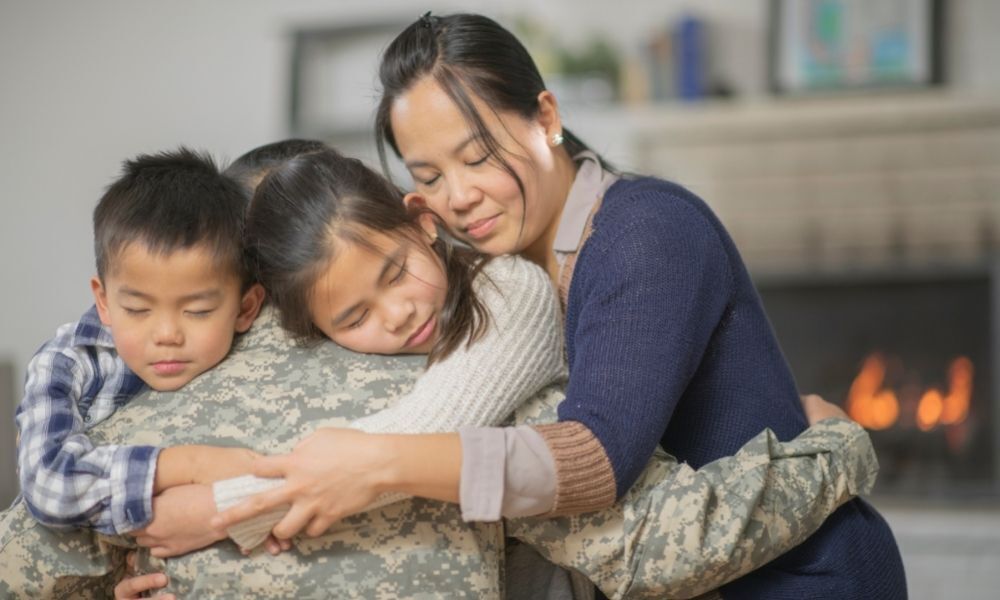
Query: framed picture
(333, 88)
(833, 45)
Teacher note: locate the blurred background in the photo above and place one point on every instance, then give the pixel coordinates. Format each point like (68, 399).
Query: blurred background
(852, 149)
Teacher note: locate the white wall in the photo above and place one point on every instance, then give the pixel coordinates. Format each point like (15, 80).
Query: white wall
(84, 85)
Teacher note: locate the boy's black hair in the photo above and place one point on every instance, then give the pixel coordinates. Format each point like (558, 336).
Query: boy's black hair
(249, 169)
(171, 201)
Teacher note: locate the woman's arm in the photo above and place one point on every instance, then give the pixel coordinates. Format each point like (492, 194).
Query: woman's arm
(318, 491)
(650, 289)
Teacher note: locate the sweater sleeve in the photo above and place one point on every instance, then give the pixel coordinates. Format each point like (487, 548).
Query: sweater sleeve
(650, 288)
(477, 385)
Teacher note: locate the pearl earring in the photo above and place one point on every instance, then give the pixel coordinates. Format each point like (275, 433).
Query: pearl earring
(557, 139)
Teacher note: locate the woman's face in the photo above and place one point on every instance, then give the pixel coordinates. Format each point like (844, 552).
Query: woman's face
(383, 299)
(456, 177)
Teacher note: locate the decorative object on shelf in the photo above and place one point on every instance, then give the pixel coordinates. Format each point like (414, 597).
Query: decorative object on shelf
(586, 72)
(691, 61)
(835, 45)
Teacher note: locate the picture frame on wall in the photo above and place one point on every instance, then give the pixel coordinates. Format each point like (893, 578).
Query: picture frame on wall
(333, 86)
(829, 46)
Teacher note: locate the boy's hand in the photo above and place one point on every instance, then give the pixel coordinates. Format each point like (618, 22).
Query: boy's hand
(180, 524)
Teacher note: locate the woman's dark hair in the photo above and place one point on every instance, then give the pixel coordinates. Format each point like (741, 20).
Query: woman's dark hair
(468, 56)
(307, 203)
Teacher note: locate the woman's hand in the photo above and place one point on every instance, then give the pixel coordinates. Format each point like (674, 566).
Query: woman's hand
(181, 517)
(818, 409)
(132, 587)
(331, 474)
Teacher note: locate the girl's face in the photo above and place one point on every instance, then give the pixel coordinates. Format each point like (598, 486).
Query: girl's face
(386, 299)
(457, 178)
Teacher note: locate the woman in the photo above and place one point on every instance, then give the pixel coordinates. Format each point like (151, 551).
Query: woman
(667, 339)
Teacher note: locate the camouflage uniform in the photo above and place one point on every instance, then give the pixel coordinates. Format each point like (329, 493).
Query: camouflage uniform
(676, 533)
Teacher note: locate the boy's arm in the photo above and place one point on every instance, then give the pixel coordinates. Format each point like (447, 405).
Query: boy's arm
(66, 480)
(196, 464)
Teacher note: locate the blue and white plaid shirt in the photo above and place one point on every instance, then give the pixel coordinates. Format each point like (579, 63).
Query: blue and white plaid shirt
(75, 381)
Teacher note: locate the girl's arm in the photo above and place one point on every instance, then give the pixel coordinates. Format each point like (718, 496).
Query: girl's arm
(479, 385)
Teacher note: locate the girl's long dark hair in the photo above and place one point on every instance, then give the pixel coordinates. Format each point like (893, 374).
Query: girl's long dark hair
(468, 56)
(305, 204)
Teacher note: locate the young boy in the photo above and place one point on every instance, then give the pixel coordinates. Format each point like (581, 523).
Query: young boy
(172, 289)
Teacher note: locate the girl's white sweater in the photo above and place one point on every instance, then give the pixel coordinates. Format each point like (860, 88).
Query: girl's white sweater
(480, 385)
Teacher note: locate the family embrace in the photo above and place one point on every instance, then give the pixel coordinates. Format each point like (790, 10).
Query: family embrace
(531, 375)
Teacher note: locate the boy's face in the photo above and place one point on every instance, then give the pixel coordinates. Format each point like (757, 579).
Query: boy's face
(172, 316)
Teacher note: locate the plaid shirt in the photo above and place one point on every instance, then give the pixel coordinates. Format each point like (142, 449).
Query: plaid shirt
(75, 381)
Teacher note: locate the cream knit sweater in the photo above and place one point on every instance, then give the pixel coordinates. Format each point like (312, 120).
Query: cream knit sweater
(481, 385)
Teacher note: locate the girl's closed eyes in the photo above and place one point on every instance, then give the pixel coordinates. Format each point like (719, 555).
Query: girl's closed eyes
(393, 301)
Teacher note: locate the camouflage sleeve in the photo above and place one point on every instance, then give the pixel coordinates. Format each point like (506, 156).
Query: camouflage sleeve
(679, 532)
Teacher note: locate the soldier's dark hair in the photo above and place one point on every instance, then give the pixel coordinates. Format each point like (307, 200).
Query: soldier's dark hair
(171, 201)
(250, 168)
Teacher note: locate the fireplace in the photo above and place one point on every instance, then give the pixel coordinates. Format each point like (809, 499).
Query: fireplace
(871, 224)
(910, 356)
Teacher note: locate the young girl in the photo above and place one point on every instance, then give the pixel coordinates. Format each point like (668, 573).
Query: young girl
(344, 259)
(668, 343)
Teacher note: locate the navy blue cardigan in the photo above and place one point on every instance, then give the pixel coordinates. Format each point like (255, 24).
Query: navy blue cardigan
(668, 344)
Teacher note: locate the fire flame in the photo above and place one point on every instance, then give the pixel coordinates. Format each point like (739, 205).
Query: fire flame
(948, 409)
(875, 407)
(868, 404)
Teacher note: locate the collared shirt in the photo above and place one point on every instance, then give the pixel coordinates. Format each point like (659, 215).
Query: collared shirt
(75, 381)
(589, 185)
(508, 471)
